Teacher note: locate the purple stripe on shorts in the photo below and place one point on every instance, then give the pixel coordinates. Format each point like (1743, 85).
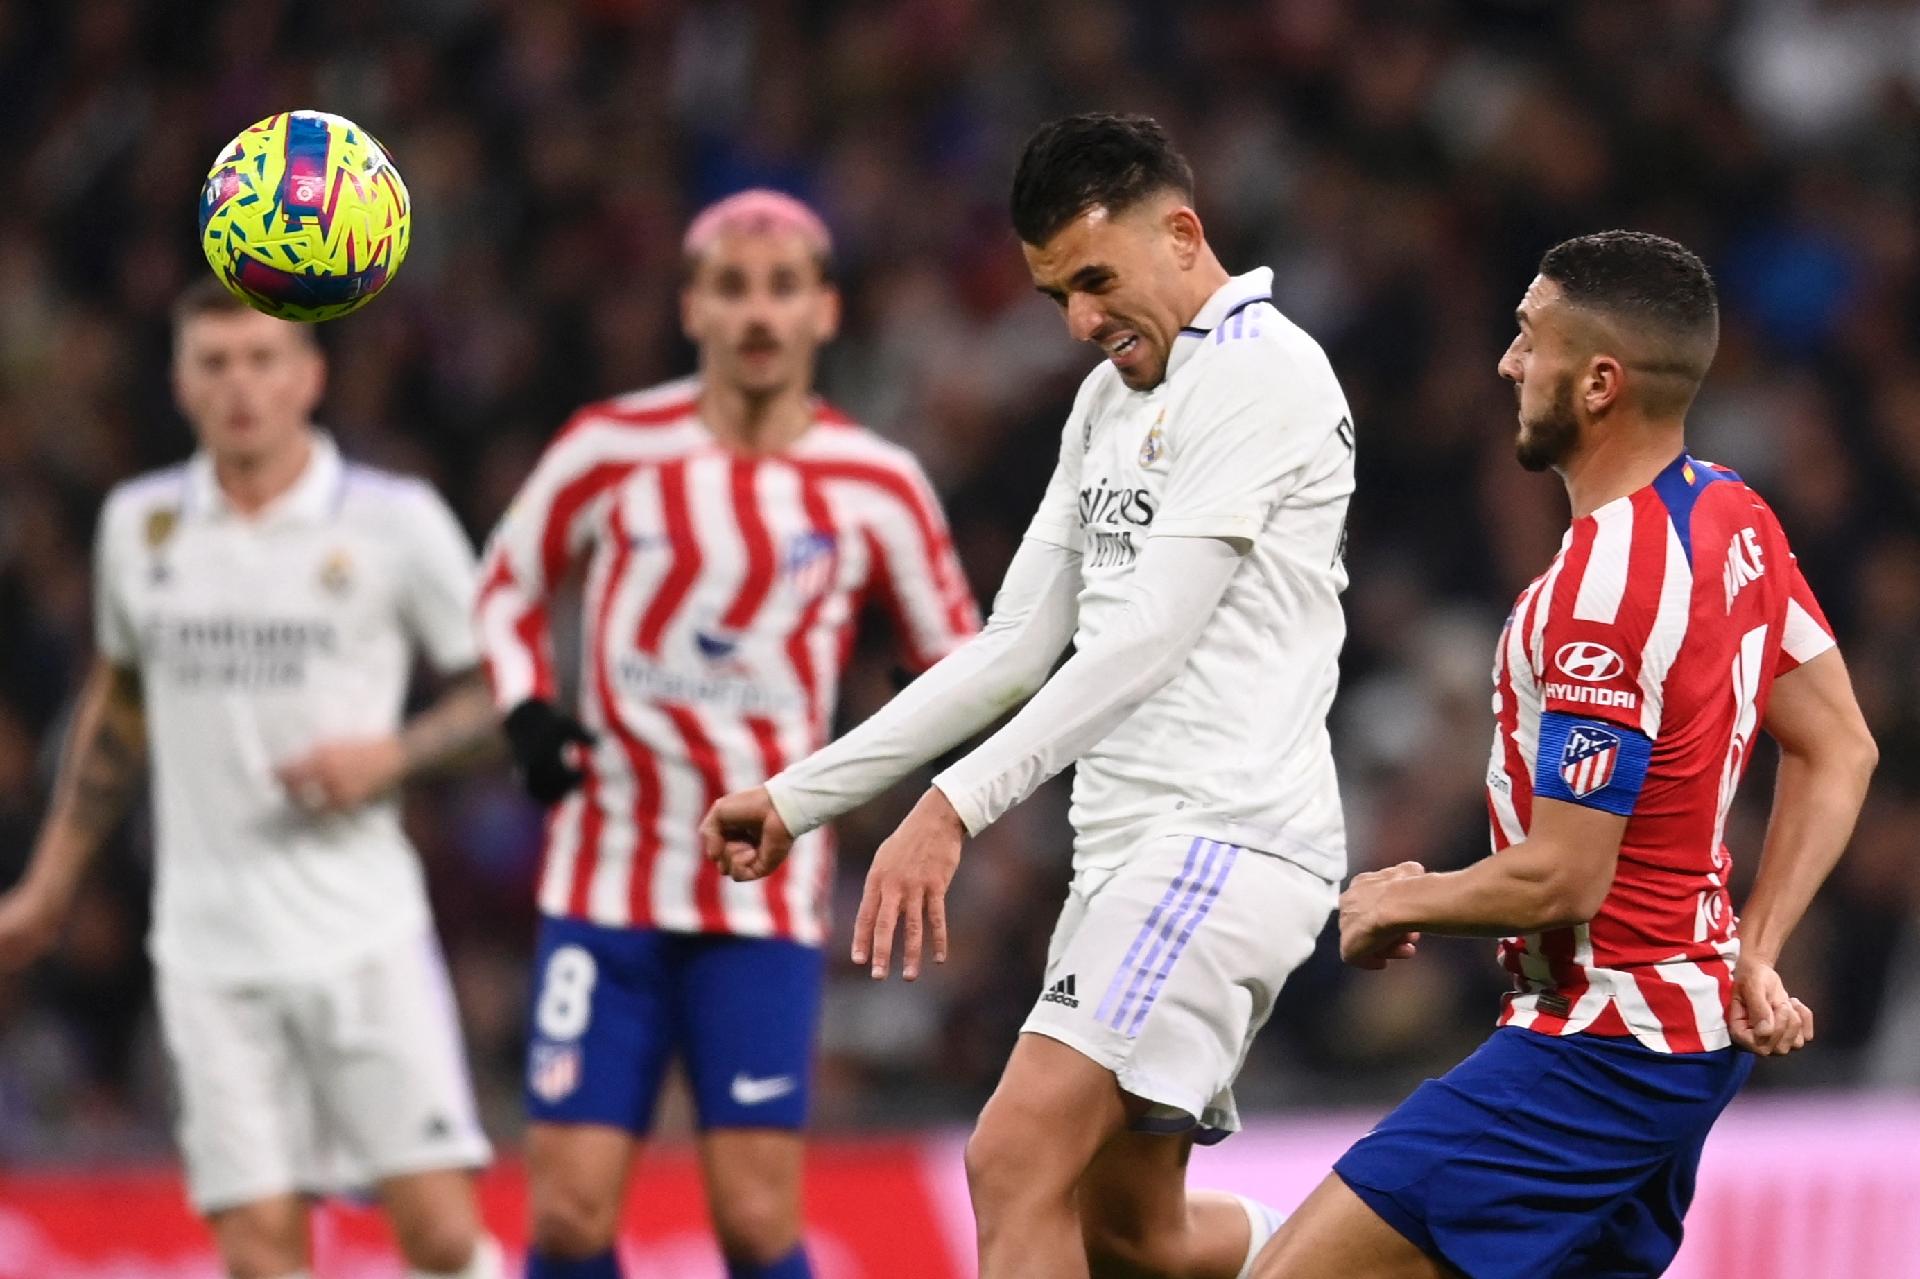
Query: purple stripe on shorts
(1167, 931)
(1194, 921)
(1121, 973)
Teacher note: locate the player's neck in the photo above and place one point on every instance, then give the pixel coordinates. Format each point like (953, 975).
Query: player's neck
(1207, 278)
(250, 483)
(1622, 460)
(756, 423)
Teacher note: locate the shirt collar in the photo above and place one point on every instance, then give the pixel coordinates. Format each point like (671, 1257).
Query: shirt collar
(315, 495)
(1239, 291)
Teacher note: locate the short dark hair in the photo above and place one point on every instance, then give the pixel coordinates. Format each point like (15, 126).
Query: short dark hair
(1655, 288)
(207, 296)
(1092, 160)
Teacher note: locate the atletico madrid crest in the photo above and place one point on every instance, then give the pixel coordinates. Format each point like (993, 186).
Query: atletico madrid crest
(553, 1070)
(1588, 762)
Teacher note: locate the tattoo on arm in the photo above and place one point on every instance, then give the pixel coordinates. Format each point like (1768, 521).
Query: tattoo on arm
(462, 726)
(105, 757)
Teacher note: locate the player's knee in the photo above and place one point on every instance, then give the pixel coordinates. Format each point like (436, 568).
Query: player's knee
(440, 1247)
(995, 1160)
(757, 1226)
(259, 1245)
(572, 1220)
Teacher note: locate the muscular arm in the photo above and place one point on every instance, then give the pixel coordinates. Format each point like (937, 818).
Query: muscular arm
(1827, 756)
(100, 770)
(1032, 622)
(1559, 875)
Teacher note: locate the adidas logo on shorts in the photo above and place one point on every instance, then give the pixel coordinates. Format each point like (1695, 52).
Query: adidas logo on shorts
(1062, 992)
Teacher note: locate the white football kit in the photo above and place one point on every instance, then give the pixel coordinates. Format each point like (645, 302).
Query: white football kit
(303, 998)
(1190, 547)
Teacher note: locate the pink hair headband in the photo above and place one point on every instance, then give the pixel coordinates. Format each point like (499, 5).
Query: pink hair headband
(756, 212)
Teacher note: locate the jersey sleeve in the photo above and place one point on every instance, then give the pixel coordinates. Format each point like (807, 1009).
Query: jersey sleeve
(546, 530)
(918, 575)
(1603, 644)
(1807, 633)
(114, 635)
(1057, 521)
(1237, 439)
(439, 584)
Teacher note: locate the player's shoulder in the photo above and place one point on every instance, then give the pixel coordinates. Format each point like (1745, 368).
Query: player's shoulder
(152, 498)
(1703, 500)
(1260, 348)
(635, 418)
(838, 439)
(378, 495)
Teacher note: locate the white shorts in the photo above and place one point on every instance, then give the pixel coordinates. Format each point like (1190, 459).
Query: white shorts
(319, 1084)
(1164, 968)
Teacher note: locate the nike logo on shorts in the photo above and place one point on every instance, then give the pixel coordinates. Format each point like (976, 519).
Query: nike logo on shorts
(748, 1091)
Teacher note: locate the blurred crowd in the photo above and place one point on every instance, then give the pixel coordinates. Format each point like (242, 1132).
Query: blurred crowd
(1400, 164)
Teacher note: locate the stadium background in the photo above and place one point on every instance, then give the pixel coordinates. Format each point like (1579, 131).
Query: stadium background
(1400, 165)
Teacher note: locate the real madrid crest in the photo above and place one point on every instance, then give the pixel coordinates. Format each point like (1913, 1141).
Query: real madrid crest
(161, 522)
(1155, 445)
(336, 573)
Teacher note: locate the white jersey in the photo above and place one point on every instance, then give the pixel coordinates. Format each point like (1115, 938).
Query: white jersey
(1247, 438)
(257, 638)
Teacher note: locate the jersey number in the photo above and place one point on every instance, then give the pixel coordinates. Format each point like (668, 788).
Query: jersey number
(566, 993)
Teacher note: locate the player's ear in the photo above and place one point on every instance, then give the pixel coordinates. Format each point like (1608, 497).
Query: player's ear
(826, 322)
(1183, 227)
(1605, 384)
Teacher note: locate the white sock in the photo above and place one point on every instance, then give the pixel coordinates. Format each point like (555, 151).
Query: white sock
(487, 1262)
(1264, 1222)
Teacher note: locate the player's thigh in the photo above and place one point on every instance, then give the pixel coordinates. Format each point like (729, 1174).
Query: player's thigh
(576, 1181)
(1334, 1234)
(390, 1066)
(753, 1179)
(265, 1238)
(245, 1111)
(1164, 969)
(1050, 1114)
(602, 1027)
(748, 1009)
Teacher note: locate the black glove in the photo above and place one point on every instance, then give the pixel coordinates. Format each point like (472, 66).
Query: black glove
(545, 743)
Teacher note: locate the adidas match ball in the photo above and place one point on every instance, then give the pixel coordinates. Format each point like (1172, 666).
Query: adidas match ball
(304, 216)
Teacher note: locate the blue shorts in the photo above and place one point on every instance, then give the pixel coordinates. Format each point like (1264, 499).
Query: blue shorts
(612, 1007)
(1547, 1155)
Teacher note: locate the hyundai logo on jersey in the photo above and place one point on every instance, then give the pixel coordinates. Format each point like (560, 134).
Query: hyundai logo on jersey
(1588, 662)
(1587, 764)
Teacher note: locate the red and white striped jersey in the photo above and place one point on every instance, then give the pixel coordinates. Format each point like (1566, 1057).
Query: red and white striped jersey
(720, 596)
(1632, 676)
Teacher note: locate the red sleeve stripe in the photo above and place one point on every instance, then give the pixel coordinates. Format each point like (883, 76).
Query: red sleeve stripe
(556, 530)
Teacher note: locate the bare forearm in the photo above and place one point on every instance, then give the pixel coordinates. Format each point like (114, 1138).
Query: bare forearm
(101, 769)
(1814, 809)
(1514, 891)
(461, 727)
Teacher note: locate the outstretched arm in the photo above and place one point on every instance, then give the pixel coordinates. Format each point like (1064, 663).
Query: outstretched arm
(1032, 622)
(101, 768)
(1176, 585)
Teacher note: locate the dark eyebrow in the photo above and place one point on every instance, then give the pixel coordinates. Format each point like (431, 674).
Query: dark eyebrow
(1085, 277)
(1520, 316)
